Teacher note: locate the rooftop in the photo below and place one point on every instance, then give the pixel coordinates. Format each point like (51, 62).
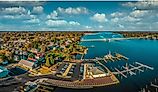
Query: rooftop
(1, 70)
(96, 71)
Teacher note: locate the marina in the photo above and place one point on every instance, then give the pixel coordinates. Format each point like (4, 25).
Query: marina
(78, 46)
(79, 73)
(136, 49)
(107, 58)
(150, 87)
(140, 67)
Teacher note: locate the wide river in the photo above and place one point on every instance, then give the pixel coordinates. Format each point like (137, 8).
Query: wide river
(143, 51)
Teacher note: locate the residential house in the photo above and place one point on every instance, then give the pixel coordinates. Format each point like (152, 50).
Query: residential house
(27, 64)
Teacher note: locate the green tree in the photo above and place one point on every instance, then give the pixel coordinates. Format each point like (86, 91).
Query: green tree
(31, 55)
(49, 59)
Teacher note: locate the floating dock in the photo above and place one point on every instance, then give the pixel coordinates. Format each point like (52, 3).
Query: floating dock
(108, 57)
(120, 73)
(151, 68)
(115, 58)
(154, 85)
(121, 56)
(131, 71)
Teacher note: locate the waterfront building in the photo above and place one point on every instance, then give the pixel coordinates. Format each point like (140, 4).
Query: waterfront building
(96, 72)
(27, 64)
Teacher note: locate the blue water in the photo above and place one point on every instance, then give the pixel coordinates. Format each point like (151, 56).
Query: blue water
(143, 51)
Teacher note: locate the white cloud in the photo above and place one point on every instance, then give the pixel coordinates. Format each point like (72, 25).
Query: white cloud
(32, 21)
(56, 23)
(99, 17)
(100, 26)
(121, 26)
(37, 9)
(9, 17)
(144, 4)
(74, 23)
(70, 10)
(24, 3)
(139, 13)
(131, 19)
(88, 27)
(115, 19)
(16, 13)
(22, 16)
(117, 14)
(53, 15)
(13, 10)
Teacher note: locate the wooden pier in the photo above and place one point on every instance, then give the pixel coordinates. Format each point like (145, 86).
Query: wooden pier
(130, 69)
(120, 73)
(107, 58)
(154, 85)
(136, 68)
(121, 56)
(116, 57)
(151, 68)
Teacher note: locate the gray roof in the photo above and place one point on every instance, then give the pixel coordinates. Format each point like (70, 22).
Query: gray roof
(96, 71)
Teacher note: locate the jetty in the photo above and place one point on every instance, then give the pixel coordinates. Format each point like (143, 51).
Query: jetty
(138, 68)
(116, 57)
(120, 73)
(121, 56)
(154, 85)
(151, 68)
(131, 69)
(109, 57)
(106, 58)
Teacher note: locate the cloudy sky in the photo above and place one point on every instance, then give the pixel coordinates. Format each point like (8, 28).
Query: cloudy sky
(71, 16)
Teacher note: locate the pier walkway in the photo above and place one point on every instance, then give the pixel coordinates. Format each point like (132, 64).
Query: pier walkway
(130, 69)
(106, 58)
(120, 73)
(154, 85)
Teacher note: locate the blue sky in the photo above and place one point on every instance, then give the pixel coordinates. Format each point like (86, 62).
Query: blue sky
(78, 16)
